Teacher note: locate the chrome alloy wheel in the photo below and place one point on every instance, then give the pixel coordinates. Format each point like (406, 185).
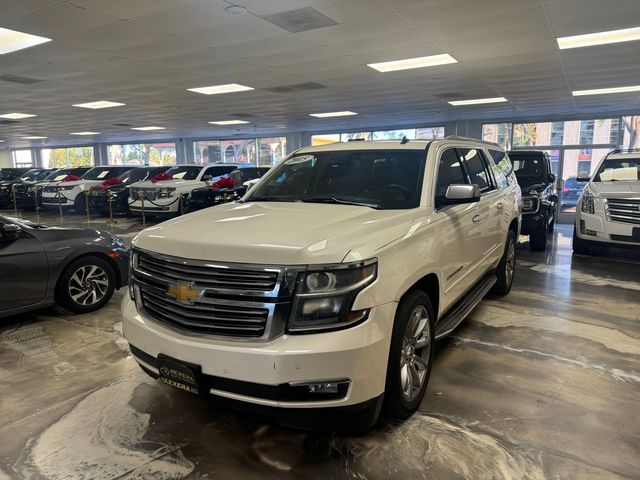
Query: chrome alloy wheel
(510, 264)
(415, 354)
(88, 285)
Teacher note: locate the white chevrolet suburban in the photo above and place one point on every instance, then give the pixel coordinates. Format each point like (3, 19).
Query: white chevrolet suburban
(319, 295)
(166, 194)
(608, 210)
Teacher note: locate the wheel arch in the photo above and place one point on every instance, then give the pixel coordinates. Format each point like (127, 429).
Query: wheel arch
(430, 284)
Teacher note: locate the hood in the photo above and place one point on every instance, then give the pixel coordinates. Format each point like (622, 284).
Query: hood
(526, 187)
(278, 233)
(619, 188)
(75, 183)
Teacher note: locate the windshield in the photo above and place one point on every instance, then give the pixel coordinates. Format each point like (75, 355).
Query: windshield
(9, 174)
(33, 175)
(140, 174)
(103, 173)
(618, 169)
(384, 179)
(185, 173)
(527, 166)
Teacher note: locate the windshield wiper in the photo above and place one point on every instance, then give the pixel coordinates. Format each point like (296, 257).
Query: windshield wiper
(338, 201)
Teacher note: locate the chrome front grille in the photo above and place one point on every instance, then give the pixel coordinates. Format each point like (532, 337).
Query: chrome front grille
(623, 210)
(149, 193)
(200, 297)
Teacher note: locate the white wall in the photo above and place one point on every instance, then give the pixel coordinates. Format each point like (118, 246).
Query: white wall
(5, 158)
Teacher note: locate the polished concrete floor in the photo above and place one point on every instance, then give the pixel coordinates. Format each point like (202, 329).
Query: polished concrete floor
(544, 383)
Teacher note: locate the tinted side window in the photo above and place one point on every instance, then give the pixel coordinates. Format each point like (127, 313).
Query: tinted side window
(498, 175)
(219, 170)
(449, 172)
(477, 170)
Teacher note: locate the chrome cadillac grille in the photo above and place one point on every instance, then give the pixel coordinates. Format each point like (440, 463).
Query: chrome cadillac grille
(623, 210)
(199, 297)
(149, 192)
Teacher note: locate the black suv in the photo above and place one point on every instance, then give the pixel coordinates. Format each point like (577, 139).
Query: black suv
(9, 176)
(29, 192)
(539, 198)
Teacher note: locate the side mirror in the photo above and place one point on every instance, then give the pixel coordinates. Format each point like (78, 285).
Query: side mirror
(583, 177)
(11, 232)
(461, 193)
(551, 178)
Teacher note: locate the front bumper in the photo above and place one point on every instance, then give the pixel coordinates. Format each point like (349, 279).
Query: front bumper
(249, 372)
(595, 228)
(158, 206)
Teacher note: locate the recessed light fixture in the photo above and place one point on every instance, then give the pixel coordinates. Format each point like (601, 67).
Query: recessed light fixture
(236, 10)
(477, 101)
(148, 129)
(99, 104)
(409, 63)
(16, 116)
(12, 41)
(217, 89)
(599, 38)
(345, 113)
(84, 133)
(229, 122)
(34, 137)
(603, 91)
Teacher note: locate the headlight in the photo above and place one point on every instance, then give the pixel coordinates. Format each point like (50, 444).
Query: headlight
(67, 187)
(133, 262)
(587, 203)
(324, 297)
(529, 204)
(165, 192)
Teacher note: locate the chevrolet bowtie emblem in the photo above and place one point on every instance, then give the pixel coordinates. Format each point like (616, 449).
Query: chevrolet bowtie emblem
(184, 293)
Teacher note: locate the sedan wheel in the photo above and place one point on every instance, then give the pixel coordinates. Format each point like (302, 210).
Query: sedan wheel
(86, 284)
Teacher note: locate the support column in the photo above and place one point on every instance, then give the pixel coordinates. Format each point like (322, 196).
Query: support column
(184, 151)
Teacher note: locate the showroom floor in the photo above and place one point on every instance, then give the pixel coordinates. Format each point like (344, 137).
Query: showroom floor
(544, 383)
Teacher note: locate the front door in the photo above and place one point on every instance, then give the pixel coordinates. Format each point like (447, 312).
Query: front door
(23, 270)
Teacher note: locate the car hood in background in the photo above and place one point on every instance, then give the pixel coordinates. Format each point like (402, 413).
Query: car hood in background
(614, 189)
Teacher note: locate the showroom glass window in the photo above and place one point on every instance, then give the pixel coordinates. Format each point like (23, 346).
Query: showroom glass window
(22, 158)
(256, 151)
(155, 154)
(631, 132)
(67, 157)
(499, 133)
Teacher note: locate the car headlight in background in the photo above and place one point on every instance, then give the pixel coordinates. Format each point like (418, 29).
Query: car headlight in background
(325, 294)
(587, 204)
(529, 204)
(165, 192)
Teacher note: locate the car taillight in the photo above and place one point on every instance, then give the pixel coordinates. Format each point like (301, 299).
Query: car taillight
(565, 190)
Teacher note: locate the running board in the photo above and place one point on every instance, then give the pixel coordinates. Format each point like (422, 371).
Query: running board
(463, 307)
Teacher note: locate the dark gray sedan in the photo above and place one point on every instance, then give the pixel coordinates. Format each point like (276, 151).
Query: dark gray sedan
(76, 268)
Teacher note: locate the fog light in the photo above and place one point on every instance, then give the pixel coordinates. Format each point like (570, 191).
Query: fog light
(326, 390)
(323, 388)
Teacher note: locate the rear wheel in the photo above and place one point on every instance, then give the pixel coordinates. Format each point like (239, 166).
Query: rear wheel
(507, 267)
(86, 284)
(410, 355)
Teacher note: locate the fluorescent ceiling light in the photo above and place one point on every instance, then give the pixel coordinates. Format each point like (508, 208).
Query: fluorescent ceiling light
(409, 63)
(345, 113)
(603, 91)
(12, 41)
(599, 38)
(84, 133)
(148, 129)
(229, 122)
(216, 89)
(477, 101)
(99, 104)
(34, 137)
(1, 141)
(16, 116)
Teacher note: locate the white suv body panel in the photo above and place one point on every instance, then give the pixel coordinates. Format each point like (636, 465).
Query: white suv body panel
(51, 199)
(459, 244)
(600, 224)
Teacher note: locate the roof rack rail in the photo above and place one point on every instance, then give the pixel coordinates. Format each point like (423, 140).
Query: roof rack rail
(471, 139)
(625, 150)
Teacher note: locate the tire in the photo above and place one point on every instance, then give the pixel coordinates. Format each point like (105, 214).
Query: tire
(79, 205)
(538, 239)
(505, 272)
(414, 312)
(579, 246)
(86, 284)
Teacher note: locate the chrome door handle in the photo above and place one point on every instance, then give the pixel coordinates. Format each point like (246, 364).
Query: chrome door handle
(476, 219)
(499, 206)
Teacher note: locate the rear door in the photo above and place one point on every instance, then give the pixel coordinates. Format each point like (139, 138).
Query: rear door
(23, 271)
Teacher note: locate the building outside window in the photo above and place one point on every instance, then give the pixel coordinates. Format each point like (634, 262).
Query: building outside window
(22, 158)
(155, 154)
(425, 133)
(67, 157)
(257, 151)
(499, 133)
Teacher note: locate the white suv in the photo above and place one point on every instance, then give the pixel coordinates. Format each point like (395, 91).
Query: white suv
(608, 210)
(168, 194)
(71, 194)
(318, 297)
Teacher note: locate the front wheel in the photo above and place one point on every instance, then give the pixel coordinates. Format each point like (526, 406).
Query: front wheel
(410, 355)
(507, 267)
(86, 285)
(539, 238)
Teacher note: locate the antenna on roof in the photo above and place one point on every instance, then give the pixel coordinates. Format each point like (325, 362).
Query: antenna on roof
(404, 140)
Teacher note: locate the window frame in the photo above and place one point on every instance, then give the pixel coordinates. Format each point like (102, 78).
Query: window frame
(491, 182)
(436, 205)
